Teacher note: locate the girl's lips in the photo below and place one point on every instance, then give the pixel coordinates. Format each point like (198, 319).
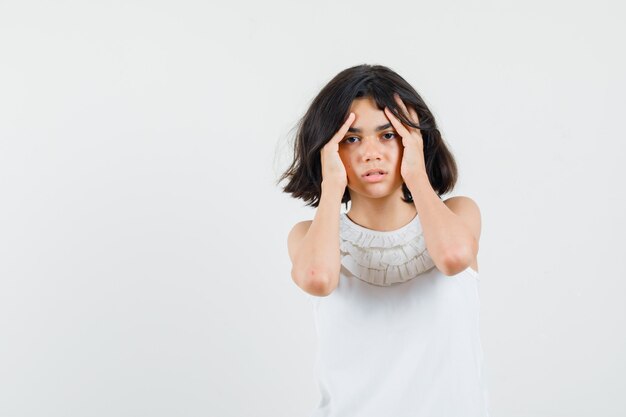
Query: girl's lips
(374, 177)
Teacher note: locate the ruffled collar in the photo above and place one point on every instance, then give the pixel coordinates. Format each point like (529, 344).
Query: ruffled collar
(383, 257)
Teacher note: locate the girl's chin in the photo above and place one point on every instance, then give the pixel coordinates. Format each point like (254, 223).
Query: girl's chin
(376, 190)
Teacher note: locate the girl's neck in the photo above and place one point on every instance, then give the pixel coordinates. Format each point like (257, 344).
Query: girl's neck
(383, 218)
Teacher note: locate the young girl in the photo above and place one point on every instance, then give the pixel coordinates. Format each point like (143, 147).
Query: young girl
(394, 280)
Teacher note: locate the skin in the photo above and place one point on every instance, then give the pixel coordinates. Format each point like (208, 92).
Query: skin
(451, 228)
(377, 205)
(398, 150)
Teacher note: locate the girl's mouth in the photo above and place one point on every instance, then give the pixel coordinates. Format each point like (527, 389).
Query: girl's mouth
(374, 177)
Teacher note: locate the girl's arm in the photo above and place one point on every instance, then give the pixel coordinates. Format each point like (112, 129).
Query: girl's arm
(315, 252)
(451, 240)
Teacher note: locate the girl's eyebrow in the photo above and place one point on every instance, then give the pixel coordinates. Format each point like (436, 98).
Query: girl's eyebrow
(358, 130)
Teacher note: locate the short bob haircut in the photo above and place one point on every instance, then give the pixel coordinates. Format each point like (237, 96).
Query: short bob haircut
(328, 112)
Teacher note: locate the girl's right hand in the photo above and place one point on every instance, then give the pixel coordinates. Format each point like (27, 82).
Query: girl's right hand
(333, 171)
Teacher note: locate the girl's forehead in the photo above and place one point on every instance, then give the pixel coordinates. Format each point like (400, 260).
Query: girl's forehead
(364, 102)
(368, 116)
(366, 107)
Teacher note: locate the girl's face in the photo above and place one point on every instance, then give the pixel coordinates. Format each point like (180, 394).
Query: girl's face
(371, 143)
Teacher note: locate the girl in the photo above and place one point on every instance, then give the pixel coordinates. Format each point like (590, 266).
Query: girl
(394, 280)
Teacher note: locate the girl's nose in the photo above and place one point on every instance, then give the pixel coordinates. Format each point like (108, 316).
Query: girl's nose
(371, 149)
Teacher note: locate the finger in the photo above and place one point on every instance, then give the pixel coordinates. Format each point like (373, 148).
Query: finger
(344, 128)
(414, 115)
(401, 104)
(400, 128)
(408, 112)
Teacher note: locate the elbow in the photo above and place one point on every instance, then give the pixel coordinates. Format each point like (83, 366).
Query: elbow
(314, 282)
(320, 288)
(458, 260)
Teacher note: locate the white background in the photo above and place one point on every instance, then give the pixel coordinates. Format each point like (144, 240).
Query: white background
(143, 258)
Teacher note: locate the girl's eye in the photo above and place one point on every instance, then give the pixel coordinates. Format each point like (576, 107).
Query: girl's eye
(393, 136)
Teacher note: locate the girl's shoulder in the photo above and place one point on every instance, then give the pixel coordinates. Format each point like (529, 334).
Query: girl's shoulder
(296, 234)
(466, 208)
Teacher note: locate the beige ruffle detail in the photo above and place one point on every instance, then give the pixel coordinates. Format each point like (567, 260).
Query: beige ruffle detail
(383, 258)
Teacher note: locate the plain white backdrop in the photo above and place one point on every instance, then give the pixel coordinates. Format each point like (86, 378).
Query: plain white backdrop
(143, 241)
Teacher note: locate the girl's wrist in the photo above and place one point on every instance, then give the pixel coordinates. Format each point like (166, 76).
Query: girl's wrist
(418, 180)
(332, 188)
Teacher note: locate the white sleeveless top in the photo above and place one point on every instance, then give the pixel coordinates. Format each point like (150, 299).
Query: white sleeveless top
(397, 337)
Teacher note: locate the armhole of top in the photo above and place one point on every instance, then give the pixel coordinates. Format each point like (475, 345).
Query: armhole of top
(472, 272)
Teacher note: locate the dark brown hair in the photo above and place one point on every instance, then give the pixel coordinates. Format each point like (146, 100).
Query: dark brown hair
(328, 112)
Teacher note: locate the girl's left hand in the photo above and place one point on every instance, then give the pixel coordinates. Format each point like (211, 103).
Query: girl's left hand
(413, 163)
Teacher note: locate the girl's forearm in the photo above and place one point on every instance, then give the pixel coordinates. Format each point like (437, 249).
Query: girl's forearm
(449, 240)
(318, 256)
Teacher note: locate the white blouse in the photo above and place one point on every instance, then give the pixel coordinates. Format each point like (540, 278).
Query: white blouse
(397, 337)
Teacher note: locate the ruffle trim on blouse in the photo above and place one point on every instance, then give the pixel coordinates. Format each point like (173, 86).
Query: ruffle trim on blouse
(384, 258)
